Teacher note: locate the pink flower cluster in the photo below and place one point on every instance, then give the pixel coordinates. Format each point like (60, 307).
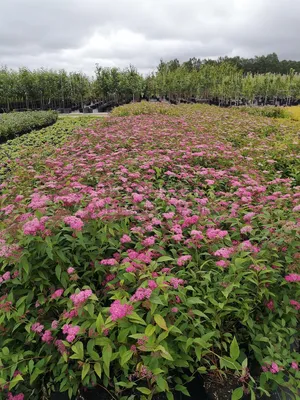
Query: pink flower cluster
(34, 226)
(137, 198)
(182, 260)
(37, 327)
(141, 294)
(215, 233)
(74, 222)
(5, 277)
(81, 297)
(152, 284)
(109, 261)
(295, 304)
(224, 252)
(70, 331)
(149, 241)
(125, 239)
(19, 396)
(175, 282)
(292, 278)
(273, 368)
(57, 294)
(119, 311)
(47, 337)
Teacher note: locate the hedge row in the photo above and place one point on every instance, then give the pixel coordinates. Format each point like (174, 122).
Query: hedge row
(16, 124)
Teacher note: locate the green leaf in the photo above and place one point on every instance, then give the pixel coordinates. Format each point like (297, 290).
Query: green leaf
(126, 357)
(78, 350)
(15, 381)
(164, 258)
(162, 383)
(98, 369)
(106, 355)
(234, 349)
(85, 370)
(144, 390)
(182, 389)
(170, 396)
(237, 394)
(5, 351)
(58, 271)
(160, 321)
(35, 374)
(99, 323)
(134, 317)
(150, 330)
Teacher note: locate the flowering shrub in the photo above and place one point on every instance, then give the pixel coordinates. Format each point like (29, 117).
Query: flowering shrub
(15, 124)
(147, 251)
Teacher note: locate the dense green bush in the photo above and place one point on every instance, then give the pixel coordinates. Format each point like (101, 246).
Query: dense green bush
(143, 252)
(266, 111)
(18, 123)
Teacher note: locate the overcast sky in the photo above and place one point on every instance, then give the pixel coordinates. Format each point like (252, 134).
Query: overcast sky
(77, 34)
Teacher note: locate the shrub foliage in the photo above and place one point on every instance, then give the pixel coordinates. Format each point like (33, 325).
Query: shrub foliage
(149, 249)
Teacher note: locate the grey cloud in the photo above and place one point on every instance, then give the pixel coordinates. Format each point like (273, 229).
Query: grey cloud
(75, 34)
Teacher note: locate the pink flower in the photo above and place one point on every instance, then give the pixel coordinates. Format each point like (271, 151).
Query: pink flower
(131, 268)
(60, 346)
(168, 215)
(81, 297)
(222, 263)
(119, 311)
(174, 310)
(249, 216)
(292, 278)
(34, 226)
(295, 304)
(297, 208)
(152, 284)
(125, 239)
(6, 276)
(149, 241)
(246, 229)
(137, 198)
(37, 327)
(215, 233)
(274, 368)
(70, 314)
(175, 282)
(54, 324)
(70, 331)
(47, 337)
(74, 222)
(19, 198)
(178, 300)
(109, 261)
(188, 221)
(295, 365)
(19, 396)
(183, 260)
(58, 293)
(141, 294)
(224, 252)
(270, 305)
(197, 234)
(70, 270)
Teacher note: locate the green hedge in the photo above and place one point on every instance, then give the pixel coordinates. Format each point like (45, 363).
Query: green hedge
(266, 111)
(16, 124)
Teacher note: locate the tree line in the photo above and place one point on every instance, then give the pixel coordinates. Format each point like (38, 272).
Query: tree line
(227, 80)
